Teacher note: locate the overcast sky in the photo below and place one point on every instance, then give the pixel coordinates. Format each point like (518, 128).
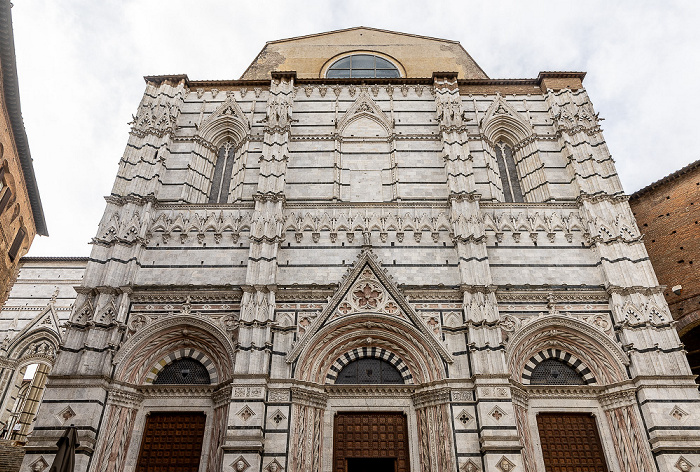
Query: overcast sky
(81, 65)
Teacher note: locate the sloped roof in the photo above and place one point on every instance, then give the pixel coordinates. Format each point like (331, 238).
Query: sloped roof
(419, 56)
(669, 178)
(11, 89)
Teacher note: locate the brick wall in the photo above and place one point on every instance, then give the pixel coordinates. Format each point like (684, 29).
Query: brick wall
(668, 215)
(10, 456)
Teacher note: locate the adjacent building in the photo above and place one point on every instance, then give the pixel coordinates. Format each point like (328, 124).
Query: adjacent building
(668, 213)
(21, 215)
(366, 254)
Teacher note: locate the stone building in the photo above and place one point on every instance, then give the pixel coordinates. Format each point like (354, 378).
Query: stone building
(31, 329)
(365, 254)
(21, 215)
(668, 214)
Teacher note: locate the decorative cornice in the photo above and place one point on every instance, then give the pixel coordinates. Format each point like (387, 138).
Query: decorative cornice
(308, 397)
(391, 391)
(431, 397)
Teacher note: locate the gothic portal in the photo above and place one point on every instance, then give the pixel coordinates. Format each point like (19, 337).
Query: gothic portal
(347, 260)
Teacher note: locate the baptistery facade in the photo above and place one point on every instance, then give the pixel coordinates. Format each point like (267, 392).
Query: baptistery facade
(365, 254)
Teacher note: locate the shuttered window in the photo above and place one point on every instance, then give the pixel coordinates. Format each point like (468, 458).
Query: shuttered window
(4, 200)
(17, 244)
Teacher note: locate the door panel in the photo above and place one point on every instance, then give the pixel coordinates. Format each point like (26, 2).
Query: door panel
(172, 442)
(370, 436)
(570, 443)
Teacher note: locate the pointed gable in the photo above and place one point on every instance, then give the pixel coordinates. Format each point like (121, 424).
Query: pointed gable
(418, 56)
(367, 288)
(502, 118)
(364, 108)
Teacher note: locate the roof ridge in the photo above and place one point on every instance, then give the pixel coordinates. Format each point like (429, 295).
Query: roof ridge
(672, 176)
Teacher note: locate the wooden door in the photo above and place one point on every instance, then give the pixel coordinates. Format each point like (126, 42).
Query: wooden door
(570, 443)
(172, 442)
(370, 436)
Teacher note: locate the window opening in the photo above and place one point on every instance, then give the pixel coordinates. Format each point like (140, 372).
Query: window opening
(17, 244)
(369, 371)
(185, 371)
(5, 200)
(362, 66)
(31, 391)
(555, 372)
(509, 174)
(221, 181)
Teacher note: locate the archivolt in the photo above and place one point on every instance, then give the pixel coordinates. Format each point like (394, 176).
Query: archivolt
(369, 352)
(179, 354)
(565, 357)
(369, 330)
(21, 349)
(595, 349)
(156, 341)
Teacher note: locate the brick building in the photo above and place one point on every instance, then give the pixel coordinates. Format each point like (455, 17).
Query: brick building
(364, 254)
(668, 214)
(21, 215)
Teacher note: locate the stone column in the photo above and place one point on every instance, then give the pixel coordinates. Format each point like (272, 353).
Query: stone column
(258, 302)
(643, 322)
(486, 351)
(305, 444)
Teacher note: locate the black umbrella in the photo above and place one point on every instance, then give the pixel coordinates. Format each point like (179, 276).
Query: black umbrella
(65, 456)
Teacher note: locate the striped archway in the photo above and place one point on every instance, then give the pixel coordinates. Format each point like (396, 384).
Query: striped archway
(373, 353)
(179, 354)
(563, 356)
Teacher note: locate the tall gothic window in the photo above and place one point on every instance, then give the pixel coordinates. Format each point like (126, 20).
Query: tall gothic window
(509, 174)
(221, 181)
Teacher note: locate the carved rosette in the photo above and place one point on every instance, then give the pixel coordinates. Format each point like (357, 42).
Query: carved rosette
(368, 295)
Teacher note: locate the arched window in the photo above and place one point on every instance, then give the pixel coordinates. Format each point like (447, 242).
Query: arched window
(555, 372)
(369, 371)
(221, 181)
(184, 371)
(509, 174)
(360, 66)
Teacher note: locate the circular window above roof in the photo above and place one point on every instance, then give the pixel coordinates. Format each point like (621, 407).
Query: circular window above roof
(362, 66)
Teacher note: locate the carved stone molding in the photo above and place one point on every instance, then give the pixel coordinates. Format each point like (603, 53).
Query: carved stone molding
(352, 391)
(431, 397)
(307, 397)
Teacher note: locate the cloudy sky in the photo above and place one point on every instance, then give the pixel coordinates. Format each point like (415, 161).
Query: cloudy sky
(81, 64)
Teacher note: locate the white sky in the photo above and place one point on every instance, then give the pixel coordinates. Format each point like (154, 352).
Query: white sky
(81, 64)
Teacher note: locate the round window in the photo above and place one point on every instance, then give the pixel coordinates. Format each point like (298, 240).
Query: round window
(362, 66)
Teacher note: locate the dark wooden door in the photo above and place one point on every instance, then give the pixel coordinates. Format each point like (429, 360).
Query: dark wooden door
(570, 443)
(370, 436)
(172, 442)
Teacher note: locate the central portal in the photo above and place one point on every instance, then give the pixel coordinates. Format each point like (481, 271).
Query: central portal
(370, 442)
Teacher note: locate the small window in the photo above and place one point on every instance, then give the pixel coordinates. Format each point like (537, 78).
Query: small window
(555, 372)
(362, 66)
(185, 371)
(17, 244)
(369, 371)
(5, 199)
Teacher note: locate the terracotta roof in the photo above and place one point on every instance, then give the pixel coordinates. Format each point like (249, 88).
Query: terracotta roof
(11, 88)
(669, 178)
